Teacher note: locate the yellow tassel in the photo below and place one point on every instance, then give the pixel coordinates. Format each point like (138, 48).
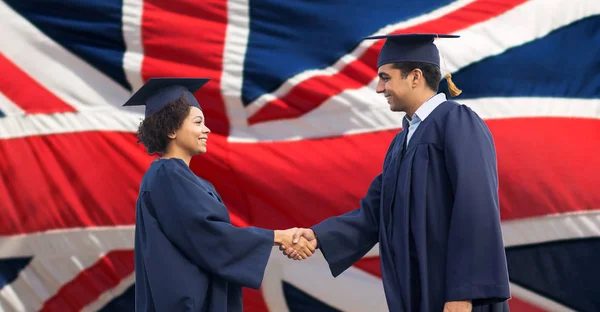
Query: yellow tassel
(454, 91)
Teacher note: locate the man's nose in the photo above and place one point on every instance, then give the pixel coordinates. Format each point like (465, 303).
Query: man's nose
(380, 86)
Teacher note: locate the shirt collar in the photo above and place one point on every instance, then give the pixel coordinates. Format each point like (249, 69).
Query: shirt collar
(428, 107)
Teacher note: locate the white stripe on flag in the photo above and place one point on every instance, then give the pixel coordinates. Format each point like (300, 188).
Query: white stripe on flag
(351, 112)
(313, 277)
(132, 34)
(42, 279)
(50, 269)
(351, 57)
(362, 110)
(78, 241)
(8, 108)
(537, 300)
(549, 228)
(110, 119)
(236, 41)
(70, 78)
(523, 24)
(485, 39)
(573, 225)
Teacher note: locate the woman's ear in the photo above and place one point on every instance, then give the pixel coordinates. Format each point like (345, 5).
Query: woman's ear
(172, 135)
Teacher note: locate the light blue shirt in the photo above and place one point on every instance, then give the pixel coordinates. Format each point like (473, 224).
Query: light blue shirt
(422, 113)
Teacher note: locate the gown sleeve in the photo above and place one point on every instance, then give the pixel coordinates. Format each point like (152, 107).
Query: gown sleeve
(197, 224)
(476, 259)
(346, 238)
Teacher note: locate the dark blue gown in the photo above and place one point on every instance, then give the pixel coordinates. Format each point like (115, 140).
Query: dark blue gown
(435, 213)
(188, 256)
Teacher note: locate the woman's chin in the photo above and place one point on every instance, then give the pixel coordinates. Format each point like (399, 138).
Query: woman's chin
(201, 150)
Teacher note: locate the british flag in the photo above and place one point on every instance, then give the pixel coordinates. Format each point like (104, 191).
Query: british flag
(298, 133)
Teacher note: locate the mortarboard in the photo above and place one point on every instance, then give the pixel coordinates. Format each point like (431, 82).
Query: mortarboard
(156, 93)
(413, 48)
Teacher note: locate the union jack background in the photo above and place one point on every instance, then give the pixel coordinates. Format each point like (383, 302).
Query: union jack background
(298, 133)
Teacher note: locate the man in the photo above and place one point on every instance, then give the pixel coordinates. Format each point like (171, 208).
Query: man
(434, 209)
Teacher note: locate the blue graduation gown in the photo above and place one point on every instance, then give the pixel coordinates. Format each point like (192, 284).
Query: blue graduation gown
(188, 255)
(435, 213)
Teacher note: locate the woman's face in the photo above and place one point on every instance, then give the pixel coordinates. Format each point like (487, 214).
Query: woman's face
(192, 136)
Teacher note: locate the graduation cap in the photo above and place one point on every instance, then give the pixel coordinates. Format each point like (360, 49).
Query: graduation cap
(413, 48)
(156, 93)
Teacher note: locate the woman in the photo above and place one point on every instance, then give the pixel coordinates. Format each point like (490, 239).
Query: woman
(188, 256)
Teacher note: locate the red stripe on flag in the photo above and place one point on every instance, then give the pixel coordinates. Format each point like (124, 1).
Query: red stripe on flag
(518, 305)
(195, 52)
(69, 180)
(27, 93)
(87, 287)
(254, 300)
(84, 179)
(314, 91)
(370, 265)
(50, 182)
(544, 169)
(280, 185)
(287, 184)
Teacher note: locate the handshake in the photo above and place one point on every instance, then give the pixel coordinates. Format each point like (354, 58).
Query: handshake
(296, 243)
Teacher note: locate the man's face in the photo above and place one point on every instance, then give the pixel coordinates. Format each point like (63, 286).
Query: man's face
(396, 89)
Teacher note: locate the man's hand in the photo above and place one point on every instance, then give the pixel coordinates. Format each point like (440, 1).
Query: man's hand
(458, 306)
(309, 234)
(300, 234)
(298, 248)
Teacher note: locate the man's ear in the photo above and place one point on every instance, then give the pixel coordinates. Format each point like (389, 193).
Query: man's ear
(417, 75)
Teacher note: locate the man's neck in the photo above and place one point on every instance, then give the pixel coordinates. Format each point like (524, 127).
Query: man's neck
(420, 100)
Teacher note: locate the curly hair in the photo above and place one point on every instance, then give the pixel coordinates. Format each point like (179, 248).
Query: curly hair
(154, 130)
